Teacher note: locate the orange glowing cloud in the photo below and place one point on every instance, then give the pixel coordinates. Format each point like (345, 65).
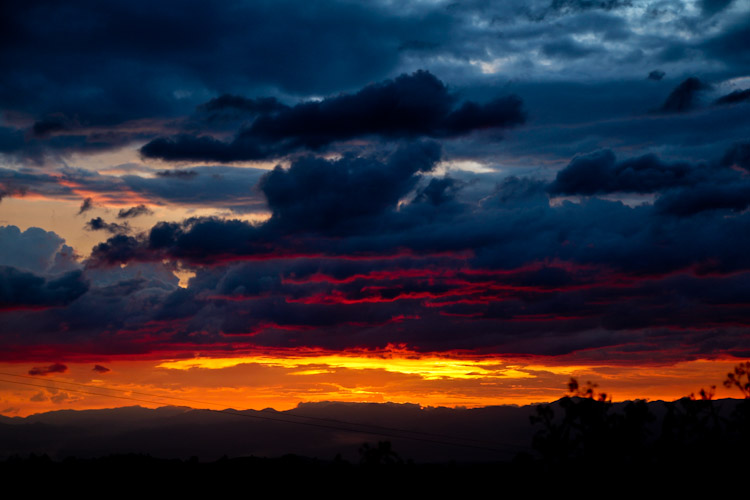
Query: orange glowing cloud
(398, 375)
(428, 367)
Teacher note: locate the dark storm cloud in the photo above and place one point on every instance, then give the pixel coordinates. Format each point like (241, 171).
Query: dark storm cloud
(195, 240)
(566, 49)
(9, 190)
(738, 155)
(713, 196)
(339, 196)
(204, 148)
(313, 195)
(48, 185)
(232, 107)
(100, 369)
(205, 46)
(735, 97)
(22, 146)
(571, 119)
(410, 106)
(683, 97)
(179, 174)
(48, 126)
(86, 205)
(600, 173)
(289, 50)
(24, 290)
(226, 187)
(439, 191)
(99, 224)
(56, 69)
(133, 212)
(711, 7)
(732, 45)
(518, 192)
(554, 9)
(579, 5)
(513, 227)
(656, 75)
(370, 246)
(684, 189)
(119, 248)
(46, 370)
(572, 270)
(11, 140)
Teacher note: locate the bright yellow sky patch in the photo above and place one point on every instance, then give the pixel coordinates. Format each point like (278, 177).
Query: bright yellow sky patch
(427, 367)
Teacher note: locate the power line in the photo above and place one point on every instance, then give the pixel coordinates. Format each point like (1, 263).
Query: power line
(82, 392)
(384, 432)
(295, 415)
(118, 390)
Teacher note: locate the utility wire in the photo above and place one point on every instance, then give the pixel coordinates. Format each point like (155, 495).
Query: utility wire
(385, 431)
(295, 415)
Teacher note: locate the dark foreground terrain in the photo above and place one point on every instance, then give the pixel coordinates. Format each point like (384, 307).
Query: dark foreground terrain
(581, 443)
(292, 474)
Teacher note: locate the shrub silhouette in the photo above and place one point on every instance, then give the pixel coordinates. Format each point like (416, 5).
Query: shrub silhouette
(585, 427)
(382, 454)
(738, 427)
(740, 378)
(588, 430)
(691, 425)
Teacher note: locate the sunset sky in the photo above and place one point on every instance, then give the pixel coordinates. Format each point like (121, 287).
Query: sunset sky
(254, 204)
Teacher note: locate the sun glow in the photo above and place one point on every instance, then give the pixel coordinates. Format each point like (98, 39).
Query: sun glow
(428, 367)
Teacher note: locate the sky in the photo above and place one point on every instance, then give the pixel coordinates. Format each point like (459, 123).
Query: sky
(257, 204)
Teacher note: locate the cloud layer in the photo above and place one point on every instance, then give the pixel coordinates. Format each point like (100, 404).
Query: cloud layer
(562, 179)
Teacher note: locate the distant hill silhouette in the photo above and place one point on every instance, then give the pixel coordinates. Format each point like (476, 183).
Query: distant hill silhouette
(318, 430)
(490, 433)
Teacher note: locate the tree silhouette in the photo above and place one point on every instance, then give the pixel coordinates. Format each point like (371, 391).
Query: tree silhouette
(587, 392)
(738, 428)
(587, 429)
(740, 378)
(382, 454)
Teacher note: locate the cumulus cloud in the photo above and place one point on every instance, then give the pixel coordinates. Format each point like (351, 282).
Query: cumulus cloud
(99, 224)
(35, 250)
(600, 173)
(339, 196)
(367, 241)
(24, 290)
(133, 212)
(410, 106)
(711, 196)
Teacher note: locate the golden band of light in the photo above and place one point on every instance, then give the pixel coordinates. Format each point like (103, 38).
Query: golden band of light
(428, 367)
